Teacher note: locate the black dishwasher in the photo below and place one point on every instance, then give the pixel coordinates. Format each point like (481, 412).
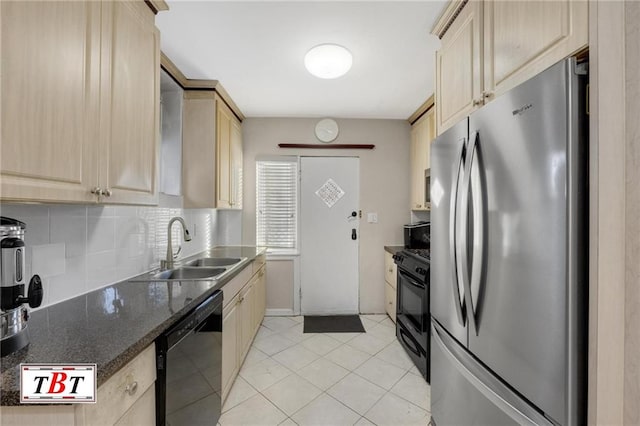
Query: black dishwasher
(189, 363)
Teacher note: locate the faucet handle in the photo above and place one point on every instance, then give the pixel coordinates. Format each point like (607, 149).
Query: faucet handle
(175, 255)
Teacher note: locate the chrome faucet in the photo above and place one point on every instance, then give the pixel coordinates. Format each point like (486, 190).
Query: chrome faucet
(168, 262)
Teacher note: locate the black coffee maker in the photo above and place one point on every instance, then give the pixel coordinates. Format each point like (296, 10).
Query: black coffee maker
(13, 315)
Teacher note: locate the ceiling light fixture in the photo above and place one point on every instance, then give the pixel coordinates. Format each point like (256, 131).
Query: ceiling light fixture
(328, 61)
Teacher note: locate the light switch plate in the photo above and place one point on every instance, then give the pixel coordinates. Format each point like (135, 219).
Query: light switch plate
(372, 217)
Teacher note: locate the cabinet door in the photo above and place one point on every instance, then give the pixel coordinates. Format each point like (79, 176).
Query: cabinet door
(247, 314)
(230, 345)
(390, 301)
(142, 412)
(420, 140)
(389, 269)
(235, 168)
(416, 203)
(521, 39)
(130, 99)
(49, 77)
(429, 136)
(199, 150)
(260, 295)
(459, 67)
(223, 154)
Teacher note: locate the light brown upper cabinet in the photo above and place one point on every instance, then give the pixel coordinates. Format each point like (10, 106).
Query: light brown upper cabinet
(80, 102)
(50, 59)
(211, 152)
(459, 67)
(422, 133)
(229, 143)
(492, 46)
(130, 101)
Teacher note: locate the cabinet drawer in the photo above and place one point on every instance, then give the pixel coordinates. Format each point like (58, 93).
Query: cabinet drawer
(390, 269)
(390, 301)
(143, 412)
(121, 391)
(259, 262)
(234, 286)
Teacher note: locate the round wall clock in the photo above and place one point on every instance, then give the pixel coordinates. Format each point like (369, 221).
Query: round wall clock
(327, 130)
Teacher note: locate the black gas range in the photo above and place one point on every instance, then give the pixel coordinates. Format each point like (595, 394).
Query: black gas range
(412, 308)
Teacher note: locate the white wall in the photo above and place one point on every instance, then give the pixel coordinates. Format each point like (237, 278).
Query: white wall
(76, 249)
(384, 183)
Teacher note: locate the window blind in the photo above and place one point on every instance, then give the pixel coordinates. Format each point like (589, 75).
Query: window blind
(277, 203)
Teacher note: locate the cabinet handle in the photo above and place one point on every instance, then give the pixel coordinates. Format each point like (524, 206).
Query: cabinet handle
(390, 269)
(96, 191)
(106, 192)
(131, 388)
(477, 102)
(487, 95)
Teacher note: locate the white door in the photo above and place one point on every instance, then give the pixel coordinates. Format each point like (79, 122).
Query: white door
(329, 235)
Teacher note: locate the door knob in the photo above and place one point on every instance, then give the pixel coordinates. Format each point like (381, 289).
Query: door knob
(354, 236)
(353, 214)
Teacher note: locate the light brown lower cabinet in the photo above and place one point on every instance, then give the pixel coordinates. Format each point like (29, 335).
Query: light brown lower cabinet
(242, 316)
(390, 301)
(127, 398)
(230, 345)
(390, 284)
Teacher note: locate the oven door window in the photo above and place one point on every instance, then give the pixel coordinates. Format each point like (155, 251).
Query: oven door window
(411, 301)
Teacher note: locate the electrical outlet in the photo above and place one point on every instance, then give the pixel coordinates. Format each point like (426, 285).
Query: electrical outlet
(372, 217)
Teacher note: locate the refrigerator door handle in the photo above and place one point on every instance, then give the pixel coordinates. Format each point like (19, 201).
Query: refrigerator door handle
(486, 382)
(458, 296)
(464, 232)
(478, 198)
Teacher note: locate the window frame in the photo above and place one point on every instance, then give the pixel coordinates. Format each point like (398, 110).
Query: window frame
(295, 160)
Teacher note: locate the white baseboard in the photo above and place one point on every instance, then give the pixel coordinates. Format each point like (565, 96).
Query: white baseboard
(279, 313)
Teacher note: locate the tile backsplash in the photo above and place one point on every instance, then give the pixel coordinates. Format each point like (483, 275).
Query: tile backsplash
(77, 249)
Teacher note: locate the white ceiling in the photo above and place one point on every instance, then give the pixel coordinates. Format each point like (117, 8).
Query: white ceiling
(256, 50)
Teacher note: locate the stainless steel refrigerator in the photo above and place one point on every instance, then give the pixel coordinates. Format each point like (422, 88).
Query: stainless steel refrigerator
(509, 258)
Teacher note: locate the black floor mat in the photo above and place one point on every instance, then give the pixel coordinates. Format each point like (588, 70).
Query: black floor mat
(333, 324)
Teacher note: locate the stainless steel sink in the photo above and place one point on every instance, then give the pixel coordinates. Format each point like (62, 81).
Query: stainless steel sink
(214, 261)
(186, 273)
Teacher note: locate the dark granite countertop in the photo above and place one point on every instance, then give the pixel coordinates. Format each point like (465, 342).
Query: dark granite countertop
(393, 249)
(111, 325)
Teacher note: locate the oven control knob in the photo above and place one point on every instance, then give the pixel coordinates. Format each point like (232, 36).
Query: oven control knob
(421, 271)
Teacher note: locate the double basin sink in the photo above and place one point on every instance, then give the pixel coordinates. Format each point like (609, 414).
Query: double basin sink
(206, 268)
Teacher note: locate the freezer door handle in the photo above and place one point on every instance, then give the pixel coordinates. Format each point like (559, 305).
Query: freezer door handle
(458, 296)
(478, 194)
(472, 188)
(486, 382)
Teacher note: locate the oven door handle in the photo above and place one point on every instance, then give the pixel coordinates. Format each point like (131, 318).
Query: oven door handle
(458, 296)
(410, 344)
(411, 281)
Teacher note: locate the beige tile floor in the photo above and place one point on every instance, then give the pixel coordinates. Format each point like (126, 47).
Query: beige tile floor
(328, 379)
